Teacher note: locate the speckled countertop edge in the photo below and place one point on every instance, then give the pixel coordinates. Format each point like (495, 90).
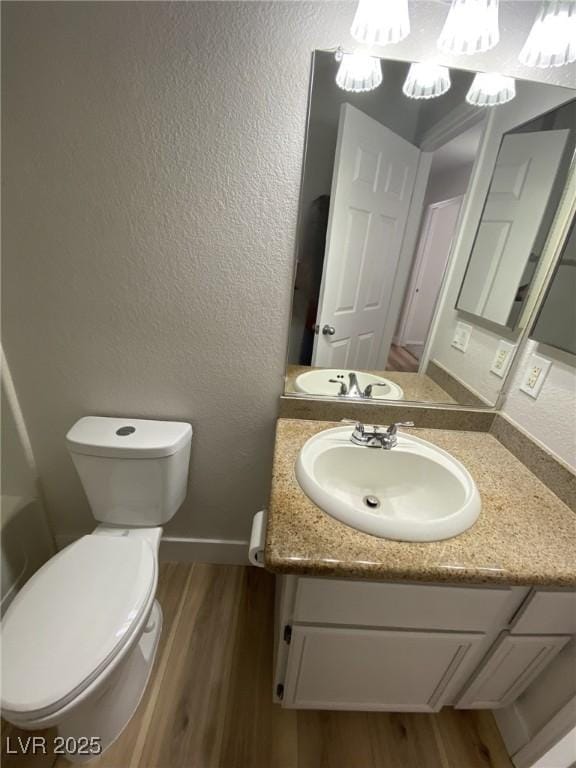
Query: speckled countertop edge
(525, 535)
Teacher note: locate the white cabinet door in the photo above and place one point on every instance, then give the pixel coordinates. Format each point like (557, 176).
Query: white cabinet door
(512, 664)
(373, 669)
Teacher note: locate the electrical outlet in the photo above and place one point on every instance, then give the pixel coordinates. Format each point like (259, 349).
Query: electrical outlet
(502, 358)
(462, 336)
(534, 375)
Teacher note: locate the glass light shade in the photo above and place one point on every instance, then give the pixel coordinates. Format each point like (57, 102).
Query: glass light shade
(358, 72)
(471, 27)
(426, 81)
(491, 90)
(552, 39)
(380, 22)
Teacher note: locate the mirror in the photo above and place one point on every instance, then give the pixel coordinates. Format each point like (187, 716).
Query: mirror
(556, 321)
(526, 186)
(393, 296)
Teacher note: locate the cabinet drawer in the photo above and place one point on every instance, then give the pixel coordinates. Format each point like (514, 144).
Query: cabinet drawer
(357, 603)
(510, 667)
(549, 612)
(374, 669)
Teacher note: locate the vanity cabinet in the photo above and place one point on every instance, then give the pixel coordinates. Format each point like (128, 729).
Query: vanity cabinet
(358, 645)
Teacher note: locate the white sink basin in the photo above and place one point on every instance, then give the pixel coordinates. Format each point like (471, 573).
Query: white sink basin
(413, 492)
(316, 382)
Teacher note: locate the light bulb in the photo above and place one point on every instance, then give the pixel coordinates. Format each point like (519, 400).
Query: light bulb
(358, 72)
(552, 39)
(380, 22)
(471, 27)
(489, 90)
(426, 81)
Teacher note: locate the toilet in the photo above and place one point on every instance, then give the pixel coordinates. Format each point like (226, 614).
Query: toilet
(79, 639)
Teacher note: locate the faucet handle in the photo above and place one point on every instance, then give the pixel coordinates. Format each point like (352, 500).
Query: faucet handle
(343, 389)
(359, 428)
(370, 387)
(393, 428)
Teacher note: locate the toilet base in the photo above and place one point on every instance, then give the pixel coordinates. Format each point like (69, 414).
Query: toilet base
(105, 717)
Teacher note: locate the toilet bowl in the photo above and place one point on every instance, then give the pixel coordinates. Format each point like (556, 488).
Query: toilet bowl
(79, 639)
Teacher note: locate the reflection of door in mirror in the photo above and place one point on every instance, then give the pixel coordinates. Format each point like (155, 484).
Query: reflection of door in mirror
(521, 186)
(373, 181)
(429, 266)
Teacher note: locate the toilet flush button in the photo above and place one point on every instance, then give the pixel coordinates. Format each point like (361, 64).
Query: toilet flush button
(123, 431)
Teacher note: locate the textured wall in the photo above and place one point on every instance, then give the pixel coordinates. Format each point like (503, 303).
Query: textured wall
(152, 169)
(551, 418)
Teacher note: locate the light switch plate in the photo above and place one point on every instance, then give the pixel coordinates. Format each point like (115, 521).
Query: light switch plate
(536, 371)
(502, 358)
(462, 335)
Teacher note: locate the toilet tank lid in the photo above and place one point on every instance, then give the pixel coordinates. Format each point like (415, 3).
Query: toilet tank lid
(127, 438)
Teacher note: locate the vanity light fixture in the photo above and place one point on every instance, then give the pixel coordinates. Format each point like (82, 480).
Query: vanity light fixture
(358, 72)
(426, 81)
(471, 27)
(381, 22)
(552, 39)
(491, 90)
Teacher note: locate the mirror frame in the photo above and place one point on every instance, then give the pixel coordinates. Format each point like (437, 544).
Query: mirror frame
(552, 252)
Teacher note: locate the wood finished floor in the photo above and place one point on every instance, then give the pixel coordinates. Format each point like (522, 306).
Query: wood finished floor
(208, 704)
(401, 359)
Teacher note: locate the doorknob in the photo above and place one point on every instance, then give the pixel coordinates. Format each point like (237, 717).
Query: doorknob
(328, 330)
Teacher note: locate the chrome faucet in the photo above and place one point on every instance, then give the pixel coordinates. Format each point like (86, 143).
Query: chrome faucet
(376, 438)
(353, 389)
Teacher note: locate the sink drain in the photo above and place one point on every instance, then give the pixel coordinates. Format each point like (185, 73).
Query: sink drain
(372, 502)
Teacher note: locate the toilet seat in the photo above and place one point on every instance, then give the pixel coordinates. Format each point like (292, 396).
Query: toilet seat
(90, 601)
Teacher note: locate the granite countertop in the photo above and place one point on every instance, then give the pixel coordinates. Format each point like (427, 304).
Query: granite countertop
(417, 387)
(525, 535)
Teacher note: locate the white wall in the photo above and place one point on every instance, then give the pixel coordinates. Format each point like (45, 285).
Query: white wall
(551, 418)
(473, 366)
(152, 170)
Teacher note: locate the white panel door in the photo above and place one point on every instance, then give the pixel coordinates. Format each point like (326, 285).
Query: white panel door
(372, 186)
(521, 185)
(376, 669)
(429, 266)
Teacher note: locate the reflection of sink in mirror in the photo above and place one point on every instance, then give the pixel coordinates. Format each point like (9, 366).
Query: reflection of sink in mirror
(412, 492)
(412, 216)
(331, 381)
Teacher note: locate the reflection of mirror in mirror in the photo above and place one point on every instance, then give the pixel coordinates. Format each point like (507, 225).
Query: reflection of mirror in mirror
(556, 321)
(526, 186)
(396, 195)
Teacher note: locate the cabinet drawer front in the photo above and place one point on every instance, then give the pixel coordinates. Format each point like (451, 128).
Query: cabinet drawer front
(511, 665)
(371, 669)
(549, 612)
(323, 601)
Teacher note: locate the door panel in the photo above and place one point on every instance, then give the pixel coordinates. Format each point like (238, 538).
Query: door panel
(367, 669)
(512, 664)
(372, 185)
(431, 258)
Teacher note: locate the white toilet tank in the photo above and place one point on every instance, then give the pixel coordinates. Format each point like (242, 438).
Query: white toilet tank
(134, 471)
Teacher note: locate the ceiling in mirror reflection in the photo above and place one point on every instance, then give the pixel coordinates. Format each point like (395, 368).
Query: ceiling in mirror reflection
(392, 198)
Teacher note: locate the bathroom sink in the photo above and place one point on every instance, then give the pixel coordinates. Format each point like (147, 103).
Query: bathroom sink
(413, 492)
(317, 382)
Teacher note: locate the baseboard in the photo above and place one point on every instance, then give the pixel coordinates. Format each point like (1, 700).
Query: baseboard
(185, 550)
(218, 551)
